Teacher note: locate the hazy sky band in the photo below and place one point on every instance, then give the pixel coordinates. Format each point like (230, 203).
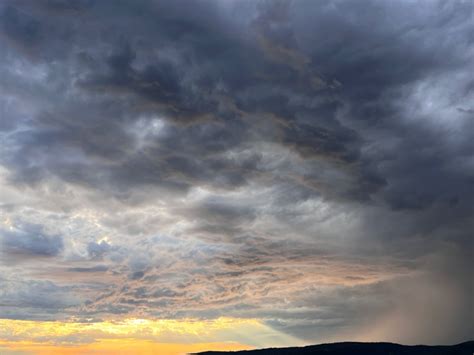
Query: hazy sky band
(305, 164)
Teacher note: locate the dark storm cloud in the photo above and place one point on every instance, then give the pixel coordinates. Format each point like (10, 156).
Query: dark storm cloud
(181, 86)
(279, 144)
(21, 29)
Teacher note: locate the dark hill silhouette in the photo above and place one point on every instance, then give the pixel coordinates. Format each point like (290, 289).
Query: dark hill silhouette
(352, 348)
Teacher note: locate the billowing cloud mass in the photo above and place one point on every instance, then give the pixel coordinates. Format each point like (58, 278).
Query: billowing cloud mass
(307, 164)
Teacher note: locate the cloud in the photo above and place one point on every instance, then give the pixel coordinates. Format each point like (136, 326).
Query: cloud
(97, 250)
(35, 299)
(30, 240)
(97, 268)
(308, 163)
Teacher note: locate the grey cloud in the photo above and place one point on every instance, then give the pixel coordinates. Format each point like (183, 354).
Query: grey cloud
(97, 250)
(222, 212)
(20, 28)
(403, 308)
(313, 141)
(97, 268)
(32, 299)
(30, 240)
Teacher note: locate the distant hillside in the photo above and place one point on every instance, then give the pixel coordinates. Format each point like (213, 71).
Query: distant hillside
(350, 348)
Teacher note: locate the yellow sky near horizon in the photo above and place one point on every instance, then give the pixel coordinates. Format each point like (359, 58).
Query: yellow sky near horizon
(116, 347)
(135, 336)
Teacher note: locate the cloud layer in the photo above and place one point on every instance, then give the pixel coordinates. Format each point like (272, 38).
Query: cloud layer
(306, 163)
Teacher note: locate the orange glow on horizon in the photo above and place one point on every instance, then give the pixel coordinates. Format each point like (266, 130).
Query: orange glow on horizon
(137, 336)
(128, 336)
(118, 347)
(141, 327)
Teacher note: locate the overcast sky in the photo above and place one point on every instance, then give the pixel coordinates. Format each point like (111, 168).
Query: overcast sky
(307, 164)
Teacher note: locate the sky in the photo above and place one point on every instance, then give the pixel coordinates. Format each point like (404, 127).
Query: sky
(177, 176)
